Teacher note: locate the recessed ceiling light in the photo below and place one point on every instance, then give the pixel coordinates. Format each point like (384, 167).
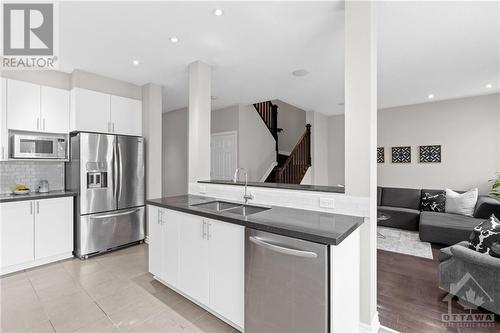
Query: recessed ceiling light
(136, 63)
(300, 72)
(430, 96)
(174, 39)
(489, 86)
(218, 12)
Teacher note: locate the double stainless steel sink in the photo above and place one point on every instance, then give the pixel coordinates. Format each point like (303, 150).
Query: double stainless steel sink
(231, 207)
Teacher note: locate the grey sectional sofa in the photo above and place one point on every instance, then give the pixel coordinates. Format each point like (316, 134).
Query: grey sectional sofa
(403, 205)
(462, 269)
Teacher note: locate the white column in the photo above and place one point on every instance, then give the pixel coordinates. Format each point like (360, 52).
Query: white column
(361, 141)
(152, 132)
(199, 122)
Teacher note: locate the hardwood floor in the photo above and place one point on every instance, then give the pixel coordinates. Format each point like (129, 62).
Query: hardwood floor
(409, 299)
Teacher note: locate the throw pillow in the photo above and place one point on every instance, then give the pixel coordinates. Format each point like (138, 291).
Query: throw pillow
(463, 204)
(495, 250)
(485, 235)
(433, 202)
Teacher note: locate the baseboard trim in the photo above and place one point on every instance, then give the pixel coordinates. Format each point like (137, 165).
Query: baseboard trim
(373, 327)
(35, 263)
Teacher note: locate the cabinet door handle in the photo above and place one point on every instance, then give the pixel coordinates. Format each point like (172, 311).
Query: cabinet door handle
(209, 232)
(31, 207)
(3, 152)
(44, 124)
(37, 123)
(38, 207)
(113, 127)
(204, 230)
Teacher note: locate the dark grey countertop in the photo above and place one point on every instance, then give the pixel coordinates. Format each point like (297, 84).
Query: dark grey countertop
(316, 188)
(36, 196)
(319, 227)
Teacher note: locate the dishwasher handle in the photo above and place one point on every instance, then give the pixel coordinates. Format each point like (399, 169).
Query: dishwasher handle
(281, 249)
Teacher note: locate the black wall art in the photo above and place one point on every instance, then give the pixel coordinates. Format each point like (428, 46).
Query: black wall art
(430, 154)
(380, 155)
(401, 154)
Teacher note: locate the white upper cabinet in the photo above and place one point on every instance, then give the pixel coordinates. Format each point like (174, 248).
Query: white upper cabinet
(23, 106)
(35, 108)
(94, 111)
(90, 111)
(4, 137)
(54, 110)
(126, 115)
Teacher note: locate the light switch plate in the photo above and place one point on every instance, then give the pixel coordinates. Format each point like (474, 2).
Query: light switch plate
(326, 203)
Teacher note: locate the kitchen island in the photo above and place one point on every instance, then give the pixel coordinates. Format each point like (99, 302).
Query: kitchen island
(242, 266)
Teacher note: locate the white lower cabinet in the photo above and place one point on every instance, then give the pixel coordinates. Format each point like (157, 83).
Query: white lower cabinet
(201, 258)
(35, 232)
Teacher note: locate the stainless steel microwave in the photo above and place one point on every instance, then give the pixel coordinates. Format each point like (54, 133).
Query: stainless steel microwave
(43, 146)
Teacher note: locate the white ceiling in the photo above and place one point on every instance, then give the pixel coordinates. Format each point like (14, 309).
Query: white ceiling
(450, 49)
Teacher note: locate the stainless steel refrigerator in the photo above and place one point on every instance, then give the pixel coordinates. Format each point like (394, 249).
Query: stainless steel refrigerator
(108, 173)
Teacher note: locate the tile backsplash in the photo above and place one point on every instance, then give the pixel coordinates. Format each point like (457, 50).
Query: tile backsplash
(30, 173)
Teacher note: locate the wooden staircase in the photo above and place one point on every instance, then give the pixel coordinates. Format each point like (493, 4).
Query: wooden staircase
(290, 169)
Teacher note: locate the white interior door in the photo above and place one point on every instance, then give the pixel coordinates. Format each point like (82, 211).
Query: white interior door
(224, 150)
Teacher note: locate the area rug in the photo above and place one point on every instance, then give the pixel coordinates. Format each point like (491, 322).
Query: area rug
(404, 242)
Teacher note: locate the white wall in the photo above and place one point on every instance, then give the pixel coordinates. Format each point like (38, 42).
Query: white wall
(468, 131)
(175, 156)
(256, 145)
(318, 173)
(293, 122)
(225, 120)
(336, 150)
(152, 133)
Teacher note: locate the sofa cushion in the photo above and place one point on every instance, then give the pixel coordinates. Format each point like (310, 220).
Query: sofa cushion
(464, 203)
(401, 197)
(403, 218)
(445, 228)
(485, 234)
(486, 206)
(433, 201)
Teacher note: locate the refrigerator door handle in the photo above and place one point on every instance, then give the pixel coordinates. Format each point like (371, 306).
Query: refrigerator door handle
(103, 216)
(119, 171)
(115, 171)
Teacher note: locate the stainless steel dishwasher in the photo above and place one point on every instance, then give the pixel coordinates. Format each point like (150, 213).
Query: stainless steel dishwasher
(286, 284)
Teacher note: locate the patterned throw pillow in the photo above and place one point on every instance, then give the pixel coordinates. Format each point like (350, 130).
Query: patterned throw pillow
(434, 202)
(485, 235)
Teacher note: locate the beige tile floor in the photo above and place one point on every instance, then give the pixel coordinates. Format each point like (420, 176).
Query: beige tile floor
(108, 293)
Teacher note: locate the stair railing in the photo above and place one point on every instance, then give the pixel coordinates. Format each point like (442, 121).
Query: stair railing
(296, 165)
(269, 114)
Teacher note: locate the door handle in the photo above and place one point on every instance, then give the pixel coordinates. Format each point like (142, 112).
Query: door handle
(38, 207)
(113, 126)
(204, 230)
(103, 216)
(31, 207)
(37, 123)
(281, 249)
(44, 124)
(209, 232)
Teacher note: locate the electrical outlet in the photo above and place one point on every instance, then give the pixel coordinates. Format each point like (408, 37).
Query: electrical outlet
(326, 203)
